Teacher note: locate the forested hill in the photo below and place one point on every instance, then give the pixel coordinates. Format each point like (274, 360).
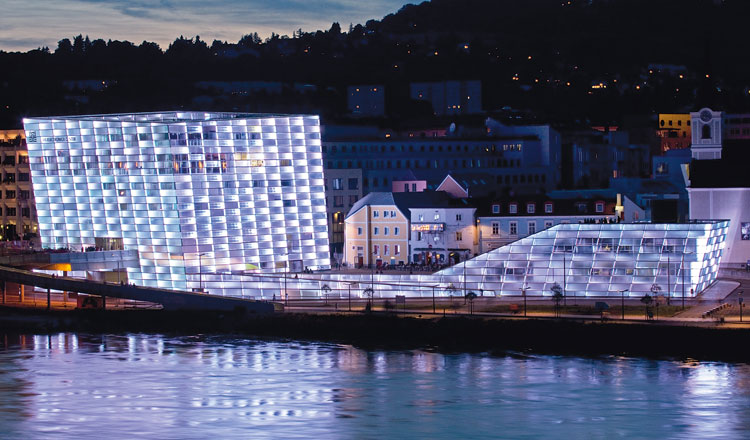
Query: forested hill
(539, 54)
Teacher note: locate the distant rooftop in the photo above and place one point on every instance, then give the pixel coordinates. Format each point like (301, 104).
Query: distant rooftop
(169, 116)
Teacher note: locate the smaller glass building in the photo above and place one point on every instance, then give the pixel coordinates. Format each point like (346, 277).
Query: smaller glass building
(584, 259)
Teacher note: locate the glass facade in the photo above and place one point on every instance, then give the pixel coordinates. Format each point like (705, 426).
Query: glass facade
(584, 259)
(202, 197)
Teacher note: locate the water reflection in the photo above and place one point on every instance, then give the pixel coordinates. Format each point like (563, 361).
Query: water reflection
(79, 385)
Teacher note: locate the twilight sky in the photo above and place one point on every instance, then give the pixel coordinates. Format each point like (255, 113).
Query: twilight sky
(28, 24)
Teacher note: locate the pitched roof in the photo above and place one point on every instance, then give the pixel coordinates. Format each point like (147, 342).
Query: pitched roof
(372, 199)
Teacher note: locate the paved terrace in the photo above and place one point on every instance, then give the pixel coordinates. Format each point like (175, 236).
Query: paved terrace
(169, 299)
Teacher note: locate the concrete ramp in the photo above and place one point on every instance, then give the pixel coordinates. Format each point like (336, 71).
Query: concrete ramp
(719, 290)
(169, 299)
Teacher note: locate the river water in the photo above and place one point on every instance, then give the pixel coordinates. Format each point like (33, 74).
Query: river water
(149, 386)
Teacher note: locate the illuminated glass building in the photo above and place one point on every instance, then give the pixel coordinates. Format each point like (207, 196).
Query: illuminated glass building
(202, 197)
(584, 259)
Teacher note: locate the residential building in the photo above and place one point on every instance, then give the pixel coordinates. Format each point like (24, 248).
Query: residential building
(343, 190)
(522, 163)
(442, 228)
(377, 232)
(18, 217)
(202, 197)
(450, 97)
(674, 131)
(366, 100)
(505, 221)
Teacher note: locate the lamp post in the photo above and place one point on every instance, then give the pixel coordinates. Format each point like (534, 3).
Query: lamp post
(523, 292)
(565, 294)
(200, 271)
(433, 299)
(682, 270)
(622, 298)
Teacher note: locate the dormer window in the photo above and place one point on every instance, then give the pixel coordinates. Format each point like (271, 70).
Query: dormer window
(530, 208)
(496, 209)
(548, 208)
(513, 208)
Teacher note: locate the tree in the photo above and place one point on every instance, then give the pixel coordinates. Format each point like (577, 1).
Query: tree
(470, 297)
(369, 292)
(647, 300)
(557, 296)
(325, 291)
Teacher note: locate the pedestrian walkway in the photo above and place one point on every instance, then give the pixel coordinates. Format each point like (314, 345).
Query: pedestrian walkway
(710, 298)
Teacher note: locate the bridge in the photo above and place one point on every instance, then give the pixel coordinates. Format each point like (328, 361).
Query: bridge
(168, 299)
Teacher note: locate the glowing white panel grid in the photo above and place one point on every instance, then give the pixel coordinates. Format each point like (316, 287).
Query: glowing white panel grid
(588, 259)
(225, 192)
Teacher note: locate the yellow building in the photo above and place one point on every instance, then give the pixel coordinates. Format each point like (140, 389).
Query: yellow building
(674, 131)
(376, 232)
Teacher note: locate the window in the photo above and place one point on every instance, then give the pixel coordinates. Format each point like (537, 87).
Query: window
(26, 212)
(414, 187)
(10, 177)
(375, 250)
(513, 208)
(385, 230)
(375, 230)
(547, 224)
(24, 194)
(285, 162)
(406, 187)
(599, 207)
(393, 214)
(495, 228)
(375, 214)
(530, 208)
(458, 217)
(395, 231)
(513, 228)
(421, 217)
(385, 249)
(437, 217)
(353, 183)
(10, 194)
(338, 201)
(337, 183)
(353, 200)
(359, 231)
(436, 238)
(10, 212)
(396, 249)
(532, 227)
(459, 236)
(496, 209)
(548, 208)
(706, 132)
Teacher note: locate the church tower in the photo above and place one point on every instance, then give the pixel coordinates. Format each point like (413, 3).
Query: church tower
(706, 126)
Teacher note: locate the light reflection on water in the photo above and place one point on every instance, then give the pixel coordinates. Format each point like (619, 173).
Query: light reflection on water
(83, 386)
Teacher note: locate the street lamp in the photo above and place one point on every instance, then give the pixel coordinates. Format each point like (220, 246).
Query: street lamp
(523, 292)
(682, 270)
(622, 298)
(200, 271)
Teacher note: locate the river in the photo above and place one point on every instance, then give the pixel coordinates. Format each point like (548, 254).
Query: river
(88, 386)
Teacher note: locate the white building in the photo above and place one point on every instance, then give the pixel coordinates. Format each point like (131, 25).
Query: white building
(442, 234)
(202, 197)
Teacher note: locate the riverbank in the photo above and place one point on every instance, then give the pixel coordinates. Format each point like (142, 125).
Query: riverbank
(389, 331)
